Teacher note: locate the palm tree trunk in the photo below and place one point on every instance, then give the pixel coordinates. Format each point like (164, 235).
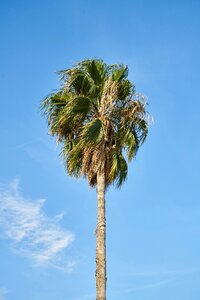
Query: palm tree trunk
(101, 239)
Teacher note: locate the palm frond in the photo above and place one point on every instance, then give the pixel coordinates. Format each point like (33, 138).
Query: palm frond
(73, 159)
(119, 72)
(118, 169)
(95, 68)
(140, 127)
(131, 143)
(126, 89)
(92, 132)
(52, 101)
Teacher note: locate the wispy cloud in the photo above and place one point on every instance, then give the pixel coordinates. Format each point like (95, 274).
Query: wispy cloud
(85, 297)
(149, 285)
(163, 273)
(149, 279)
(152, 279)
(33, 233)
(3, 293)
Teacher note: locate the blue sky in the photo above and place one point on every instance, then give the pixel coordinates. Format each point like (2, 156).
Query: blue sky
(47, 220)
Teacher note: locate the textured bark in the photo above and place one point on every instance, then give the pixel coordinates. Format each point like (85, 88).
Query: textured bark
(101, 239)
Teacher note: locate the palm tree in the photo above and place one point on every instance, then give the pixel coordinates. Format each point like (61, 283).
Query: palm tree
(100, 122)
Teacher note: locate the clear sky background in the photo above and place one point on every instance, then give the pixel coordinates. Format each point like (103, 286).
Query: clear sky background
(153, 223)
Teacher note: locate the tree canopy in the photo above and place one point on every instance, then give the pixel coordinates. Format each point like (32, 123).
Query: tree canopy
(98, 118)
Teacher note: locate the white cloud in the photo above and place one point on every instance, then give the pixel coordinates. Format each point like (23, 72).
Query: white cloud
(150, 279)
(86, 297)
(34, 234)
(163, 273)
(150, 285)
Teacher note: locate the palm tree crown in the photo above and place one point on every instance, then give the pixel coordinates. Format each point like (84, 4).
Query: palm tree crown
(99, 119)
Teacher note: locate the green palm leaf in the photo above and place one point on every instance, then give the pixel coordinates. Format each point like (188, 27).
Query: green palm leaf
(92, 132)
(118, 169)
